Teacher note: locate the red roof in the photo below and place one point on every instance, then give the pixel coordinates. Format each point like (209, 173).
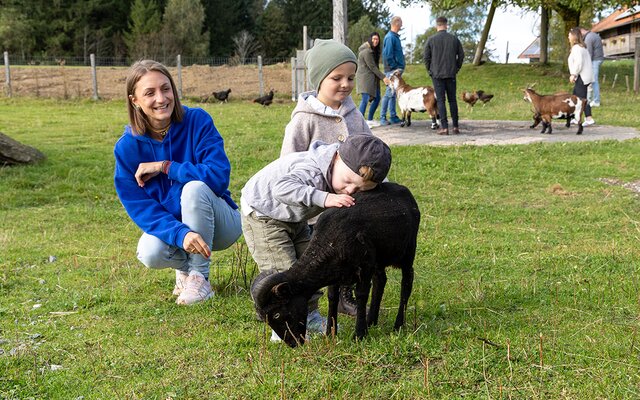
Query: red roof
(624, 16)
(533, 50)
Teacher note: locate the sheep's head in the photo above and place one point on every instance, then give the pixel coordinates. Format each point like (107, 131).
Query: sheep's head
(527, 94)
(284, 311)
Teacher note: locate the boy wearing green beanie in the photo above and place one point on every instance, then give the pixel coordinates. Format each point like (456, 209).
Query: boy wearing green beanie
(327, 113)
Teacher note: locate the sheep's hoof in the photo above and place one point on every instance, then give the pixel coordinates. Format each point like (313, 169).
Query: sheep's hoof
(408, 123)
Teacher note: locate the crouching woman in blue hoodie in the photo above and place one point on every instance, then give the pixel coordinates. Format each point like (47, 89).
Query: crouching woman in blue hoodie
(172, 177)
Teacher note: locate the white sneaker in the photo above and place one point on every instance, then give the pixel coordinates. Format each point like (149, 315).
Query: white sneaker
(181, 281)
(196, 290)
(574, 122)
(274, 337)
(372, 124)
(595, 104)
(588, 122)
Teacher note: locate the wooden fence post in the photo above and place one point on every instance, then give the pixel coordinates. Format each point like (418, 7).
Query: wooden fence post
(94, 76)
(636, 69)
(179, 65)
(7, 73)
(305, 38)
(294, 76)
(260, 76)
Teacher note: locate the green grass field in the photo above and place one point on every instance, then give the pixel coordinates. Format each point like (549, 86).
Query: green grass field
(526, 273)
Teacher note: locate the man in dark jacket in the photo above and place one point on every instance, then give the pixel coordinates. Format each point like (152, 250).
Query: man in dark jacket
(443, 57)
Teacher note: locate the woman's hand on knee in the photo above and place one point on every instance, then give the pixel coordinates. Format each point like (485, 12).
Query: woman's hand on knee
(194, 244)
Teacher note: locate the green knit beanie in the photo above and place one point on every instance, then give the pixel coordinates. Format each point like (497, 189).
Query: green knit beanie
(324, 57)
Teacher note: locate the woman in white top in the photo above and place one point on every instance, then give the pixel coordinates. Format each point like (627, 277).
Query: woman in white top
(580, 70)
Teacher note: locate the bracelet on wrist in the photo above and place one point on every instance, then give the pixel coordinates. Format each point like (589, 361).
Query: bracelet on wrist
(165, 167)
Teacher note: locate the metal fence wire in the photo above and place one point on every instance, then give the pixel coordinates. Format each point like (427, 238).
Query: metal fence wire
(170, 61)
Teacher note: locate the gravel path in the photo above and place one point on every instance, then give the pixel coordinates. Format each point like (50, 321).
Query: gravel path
(480, 133)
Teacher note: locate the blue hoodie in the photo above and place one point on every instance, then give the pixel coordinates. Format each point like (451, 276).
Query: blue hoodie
(196, 151)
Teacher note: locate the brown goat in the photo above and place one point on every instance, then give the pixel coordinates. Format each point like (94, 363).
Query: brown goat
(412, 99)
(560, 105)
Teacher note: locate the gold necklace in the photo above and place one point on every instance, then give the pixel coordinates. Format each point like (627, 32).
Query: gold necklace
(163, 132)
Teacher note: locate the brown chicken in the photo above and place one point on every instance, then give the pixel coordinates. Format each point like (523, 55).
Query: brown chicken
(472, 98)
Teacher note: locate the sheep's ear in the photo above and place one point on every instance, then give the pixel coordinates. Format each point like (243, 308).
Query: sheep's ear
(282, 290)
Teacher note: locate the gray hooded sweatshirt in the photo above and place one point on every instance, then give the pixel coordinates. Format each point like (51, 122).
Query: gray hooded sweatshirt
(308, 125)
(292, 188)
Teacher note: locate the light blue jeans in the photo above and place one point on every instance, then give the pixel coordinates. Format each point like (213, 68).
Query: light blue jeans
(374, 104)
(595, 85)
(388, 102)
(203, 212)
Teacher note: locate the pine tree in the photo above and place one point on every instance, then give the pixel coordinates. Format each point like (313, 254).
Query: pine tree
(182, 33)
(143, 37)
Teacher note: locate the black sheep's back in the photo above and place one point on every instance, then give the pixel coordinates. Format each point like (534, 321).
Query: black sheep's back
(387, 215)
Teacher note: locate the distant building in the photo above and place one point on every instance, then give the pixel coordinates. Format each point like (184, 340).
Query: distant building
(619, 32)
(532, 52)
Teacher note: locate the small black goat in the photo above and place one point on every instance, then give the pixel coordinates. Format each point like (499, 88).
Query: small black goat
(349, 245)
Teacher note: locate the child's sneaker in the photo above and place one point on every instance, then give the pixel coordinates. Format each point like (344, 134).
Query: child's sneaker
(316, 323)
(196, 290)
(181, 281)
(274, 337)
(588, 122)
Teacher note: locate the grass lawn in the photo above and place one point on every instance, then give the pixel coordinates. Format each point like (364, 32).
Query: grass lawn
(526, 274)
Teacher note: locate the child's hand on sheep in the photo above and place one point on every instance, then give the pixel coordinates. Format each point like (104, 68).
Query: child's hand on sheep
(338, 201)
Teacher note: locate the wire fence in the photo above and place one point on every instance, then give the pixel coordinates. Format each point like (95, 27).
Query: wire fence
(170, 61)
(104, 78)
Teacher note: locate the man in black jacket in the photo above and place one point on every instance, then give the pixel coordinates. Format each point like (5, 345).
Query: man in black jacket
(443, 57)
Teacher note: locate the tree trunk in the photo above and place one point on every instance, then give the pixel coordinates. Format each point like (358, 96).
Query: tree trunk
(13, 152)
(485, 33)
(340, 21)
(544, 35)
(571, 19)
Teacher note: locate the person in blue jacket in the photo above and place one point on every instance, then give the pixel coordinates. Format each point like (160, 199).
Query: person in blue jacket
(172, 177)
(393, 59)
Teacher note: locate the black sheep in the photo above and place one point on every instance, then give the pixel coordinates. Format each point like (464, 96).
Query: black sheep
(349, 245)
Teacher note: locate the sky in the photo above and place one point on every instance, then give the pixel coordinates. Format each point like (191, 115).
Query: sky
(511, 26)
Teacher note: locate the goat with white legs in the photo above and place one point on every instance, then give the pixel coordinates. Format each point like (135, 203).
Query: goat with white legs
(414, 99)
(560, 105)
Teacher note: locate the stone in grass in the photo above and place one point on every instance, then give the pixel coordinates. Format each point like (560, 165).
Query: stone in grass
(13, 152)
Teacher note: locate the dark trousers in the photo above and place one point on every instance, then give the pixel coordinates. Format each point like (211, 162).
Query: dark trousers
(446, 86)
(580, 90)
